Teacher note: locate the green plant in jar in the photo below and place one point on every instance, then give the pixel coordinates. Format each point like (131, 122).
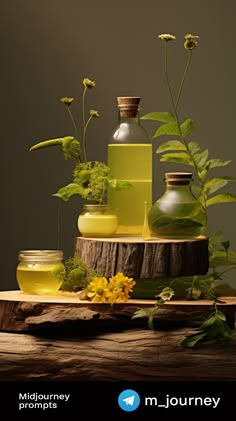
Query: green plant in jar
(177, 214)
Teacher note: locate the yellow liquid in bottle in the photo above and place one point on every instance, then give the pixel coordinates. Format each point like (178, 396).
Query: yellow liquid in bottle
(39, 279)
(133, 163)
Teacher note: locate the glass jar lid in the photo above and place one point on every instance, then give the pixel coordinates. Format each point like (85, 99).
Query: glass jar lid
(40, 255)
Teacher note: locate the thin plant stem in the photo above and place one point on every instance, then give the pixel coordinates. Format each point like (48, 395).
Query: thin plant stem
(84, 123)
(183, 78)
(167, 80)
(174, 105)
(58, 223)
(73, 122)
(84, 134)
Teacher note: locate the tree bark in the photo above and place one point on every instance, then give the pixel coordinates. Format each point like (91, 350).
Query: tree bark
(129, 355)
(144, 259)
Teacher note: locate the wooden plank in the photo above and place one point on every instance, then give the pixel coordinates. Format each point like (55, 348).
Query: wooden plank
(24, 312)
(67, 297)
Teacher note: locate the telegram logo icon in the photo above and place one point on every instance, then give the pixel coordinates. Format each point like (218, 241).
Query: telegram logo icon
(129, 400)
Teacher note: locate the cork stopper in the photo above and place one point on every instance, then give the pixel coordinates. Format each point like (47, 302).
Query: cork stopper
(128, 105)
(178, 178)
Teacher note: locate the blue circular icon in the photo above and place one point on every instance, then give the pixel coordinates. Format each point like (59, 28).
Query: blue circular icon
(129, 400)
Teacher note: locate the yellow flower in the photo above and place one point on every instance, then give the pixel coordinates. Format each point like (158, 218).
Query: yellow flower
(166, 37)
(88, 83)
(96, 289)
(114, 290)
(67, 100)
(120, 286)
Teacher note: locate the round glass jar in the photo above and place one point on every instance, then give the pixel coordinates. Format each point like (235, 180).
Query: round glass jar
(40, 271)
(177, 214)
(97, 221)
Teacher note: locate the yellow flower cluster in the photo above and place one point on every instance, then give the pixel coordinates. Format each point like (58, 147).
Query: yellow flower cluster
(113, 290)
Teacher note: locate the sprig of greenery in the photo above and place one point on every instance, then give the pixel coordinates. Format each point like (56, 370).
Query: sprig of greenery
(77, 275)
(213, 329)
(165, 295)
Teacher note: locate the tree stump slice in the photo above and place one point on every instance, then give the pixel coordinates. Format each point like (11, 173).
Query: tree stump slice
(155, 258)
(20, 312)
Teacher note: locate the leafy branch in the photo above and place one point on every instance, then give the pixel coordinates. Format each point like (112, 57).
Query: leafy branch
(213, 329)
(165, 295)
(183, 151)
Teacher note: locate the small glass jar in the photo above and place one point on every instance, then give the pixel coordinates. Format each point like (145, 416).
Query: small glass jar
(97, 221)
(40, 271)
(177, 214)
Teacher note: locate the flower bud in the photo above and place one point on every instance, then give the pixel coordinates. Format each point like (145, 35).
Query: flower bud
(94, 113)
(166, 37)
(67, 100)
(88, 83)
(190, 42)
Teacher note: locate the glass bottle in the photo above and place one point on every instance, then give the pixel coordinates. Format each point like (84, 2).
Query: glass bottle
(40, 271)
(130, 159)
(97, 221)
(177, 214)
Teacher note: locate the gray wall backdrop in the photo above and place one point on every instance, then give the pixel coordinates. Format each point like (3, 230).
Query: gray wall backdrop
(49, 46)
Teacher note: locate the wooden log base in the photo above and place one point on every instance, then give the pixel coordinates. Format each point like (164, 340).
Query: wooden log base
(129, 355)
(21, 312)
(154, 258)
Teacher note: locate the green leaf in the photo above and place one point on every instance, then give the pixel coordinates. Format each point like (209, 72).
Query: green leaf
(194, 147)
(214, 163)
(187, 127)
(167, 129)
(215, 184)
(119, 184)
(196, 190)
(171, 145)
(50, 142)
(221, 316)
(180, 158)
(221, 258)
(215, 239)
(196, 293)
(226, 245)
(160, 116)
(178, 222)
(191, 340)
(201, 158)
(141, 313)
(209, 321)
(66, 192)
(221, 198)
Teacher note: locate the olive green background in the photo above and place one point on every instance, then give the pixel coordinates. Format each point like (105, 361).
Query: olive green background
(49, 46)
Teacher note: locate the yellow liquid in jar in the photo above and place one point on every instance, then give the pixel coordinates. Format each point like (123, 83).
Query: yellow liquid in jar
(133, 163)
(97, 225)
(38, 279)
